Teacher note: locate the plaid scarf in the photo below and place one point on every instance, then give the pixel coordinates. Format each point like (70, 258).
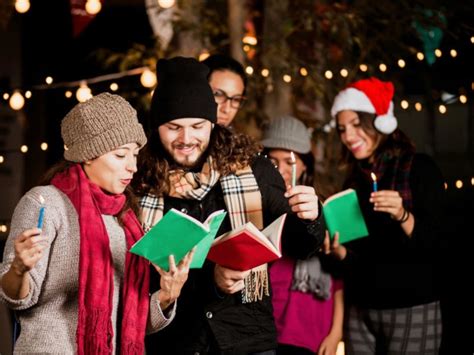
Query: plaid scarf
(393, 173)
(94, 326)
(243, 201)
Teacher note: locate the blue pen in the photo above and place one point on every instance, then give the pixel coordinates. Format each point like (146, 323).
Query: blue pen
(41, 213)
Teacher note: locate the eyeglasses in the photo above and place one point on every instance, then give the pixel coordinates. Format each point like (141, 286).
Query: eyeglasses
(236, 101)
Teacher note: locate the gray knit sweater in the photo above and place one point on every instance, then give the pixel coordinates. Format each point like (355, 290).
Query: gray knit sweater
(48, 315)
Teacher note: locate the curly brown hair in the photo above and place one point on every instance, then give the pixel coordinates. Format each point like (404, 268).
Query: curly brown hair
(231, 151)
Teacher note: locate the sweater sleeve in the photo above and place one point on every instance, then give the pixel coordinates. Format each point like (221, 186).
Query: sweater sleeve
(300, 238)
(159, 319)
(25, 217)
(428, 196)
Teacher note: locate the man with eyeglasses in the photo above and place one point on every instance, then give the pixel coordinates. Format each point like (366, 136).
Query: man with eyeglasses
(228, 82)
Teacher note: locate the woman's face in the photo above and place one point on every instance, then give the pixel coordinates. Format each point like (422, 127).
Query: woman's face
(355, 137)
(114, 170)
(282, 160)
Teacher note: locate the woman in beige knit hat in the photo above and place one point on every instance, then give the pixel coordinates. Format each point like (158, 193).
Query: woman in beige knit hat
(71, 281)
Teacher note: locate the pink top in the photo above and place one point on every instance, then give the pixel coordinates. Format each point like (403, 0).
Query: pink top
(301, 319)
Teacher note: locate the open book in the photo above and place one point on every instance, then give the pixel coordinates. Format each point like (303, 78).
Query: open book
(177, 233)
(247, 247)
(342, 214)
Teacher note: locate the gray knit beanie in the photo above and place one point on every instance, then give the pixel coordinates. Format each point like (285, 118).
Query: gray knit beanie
(287, 132)
(98, 126)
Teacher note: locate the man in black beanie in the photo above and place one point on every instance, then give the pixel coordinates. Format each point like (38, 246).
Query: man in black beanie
(198, 167)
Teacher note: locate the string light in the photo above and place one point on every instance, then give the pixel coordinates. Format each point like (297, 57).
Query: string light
(83, 93)
(265, 72)
(3, 228)
(287, 78)
(404, 104)
(246, 48)
(93, 7)
(442, 109)
(250, 40)
(28, 94)
(453, 53)
(401, 63)
(203, 56)
(303, 71)
(114, 86)
(363, 68)
(382, 67)
(420, 56)
(2, 159)
(463, 99)
(328, 74)
(249, 70)
(344, 73)
(438, 53)
(44, 146)
(418, 106)
(472, 181)
(459, 184)
(6, 96)
(148, 78)
(22, 6)
(17, 101)
(445, 185)
(49, 80)
(24, 148)
(68, 94)
(472, 39)
(166, 4)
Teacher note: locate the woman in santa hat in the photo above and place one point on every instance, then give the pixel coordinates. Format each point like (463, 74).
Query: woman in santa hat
(390, 276)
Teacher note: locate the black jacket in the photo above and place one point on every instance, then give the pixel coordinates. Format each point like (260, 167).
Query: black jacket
(209, 322)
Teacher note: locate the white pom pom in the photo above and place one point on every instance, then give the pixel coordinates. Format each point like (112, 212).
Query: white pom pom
(385, 123)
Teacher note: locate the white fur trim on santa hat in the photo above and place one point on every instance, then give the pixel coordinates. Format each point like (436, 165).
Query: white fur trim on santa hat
(353, 100)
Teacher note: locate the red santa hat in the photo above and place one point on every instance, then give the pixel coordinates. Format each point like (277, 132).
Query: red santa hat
(372, 96)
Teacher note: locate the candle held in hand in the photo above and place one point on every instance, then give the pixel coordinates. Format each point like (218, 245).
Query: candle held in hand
(41, 213)
(293, 169)
(374, 185)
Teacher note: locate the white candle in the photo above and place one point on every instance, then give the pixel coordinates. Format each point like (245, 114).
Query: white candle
(293, 169)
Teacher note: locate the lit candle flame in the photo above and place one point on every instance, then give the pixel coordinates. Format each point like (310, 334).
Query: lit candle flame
(41, 199)
(374, 177)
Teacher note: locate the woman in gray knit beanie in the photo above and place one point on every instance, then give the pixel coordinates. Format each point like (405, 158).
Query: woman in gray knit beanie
(67, 277)
(301, 284)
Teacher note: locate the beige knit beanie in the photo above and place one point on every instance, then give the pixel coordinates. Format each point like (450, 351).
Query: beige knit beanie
(98, 126)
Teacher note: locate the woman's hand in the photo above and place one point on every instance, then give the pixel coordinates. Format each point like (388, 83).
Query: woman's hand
(303, 201)
(329, 345)
(388, 201)
(172, 281)
(333, 247)
(29, 247)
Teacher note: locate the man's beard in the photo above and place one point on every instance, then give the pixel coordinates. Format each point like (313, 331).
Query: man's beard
(185, 163)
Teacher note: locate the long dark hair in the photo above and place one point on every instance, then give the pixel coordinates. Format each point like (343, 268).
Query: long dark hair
(220, 62)
(131, 201)
(390, 145)
(231, 151)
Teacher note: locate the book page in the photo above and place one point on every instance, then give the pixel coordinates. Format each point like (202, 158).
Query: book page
(338, 195)
(274, 230)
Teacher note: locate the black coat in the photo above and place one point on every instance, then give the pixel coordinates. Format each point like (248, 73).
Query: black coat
(208, 322)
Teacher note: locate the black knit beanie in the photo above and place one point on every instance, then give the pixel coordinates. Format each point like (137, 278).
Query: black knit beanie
(182, 92)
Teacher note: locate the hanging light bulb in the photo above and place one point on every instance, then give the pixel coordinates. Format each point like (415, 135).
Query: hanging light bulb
(22, 6)
(2, 159)
(93, 7)
(203, 56)
(287, 78)
(344, 73)
(83, 93)
(401, 63)
(249, 70)
(24, 148)
(265, 72)
(363, 67)
(166, 4)
(49, 80)
(28, 94)
(382, 67)
(114, 86)
(148, 78)
(303, 71)
(68, 94)
(328, 74)
(17, 101)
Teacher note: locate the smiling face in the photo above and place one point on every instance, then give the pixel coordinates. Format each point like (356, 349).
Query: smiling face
(358, 140)
(281, 158)
(186, 139)
(230, 84)
(114, 170)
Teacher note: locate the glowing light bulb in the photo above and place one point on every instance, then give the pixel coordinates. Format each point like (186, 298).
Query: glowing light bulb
(2, 159)
(6, 96)
(453, 53)
(442, 109)
(49, 80)
(382, 67)
(418, 106)
(44, 146)
(303, 71)
(287, 78)
(404, 104)
(22, 6)
(24, 148)
(250, 40)
(401, 63)
(166, 4)
(463, 99)
(93, 7)
(328, 74)
(363, 68)
(28, 94)
(265, 72)
(420, 56)
(438, 53)
(459, 184)
(344, 73)
(249, 70)
(68, 94)
(148, 78)
(83, 93)
(17, 101)
(203, 56)
(114, 86)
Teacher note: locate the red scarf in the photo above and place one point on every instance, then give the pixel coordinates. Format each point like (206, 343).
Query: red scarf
(94, 329)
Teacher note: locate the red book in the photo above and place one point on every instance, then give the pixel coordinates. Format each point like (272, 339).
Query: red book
(247, 247)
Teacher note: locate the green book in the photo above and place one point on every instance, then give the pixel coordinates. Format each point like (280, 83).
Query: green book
(342, 214)
(176, 234)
